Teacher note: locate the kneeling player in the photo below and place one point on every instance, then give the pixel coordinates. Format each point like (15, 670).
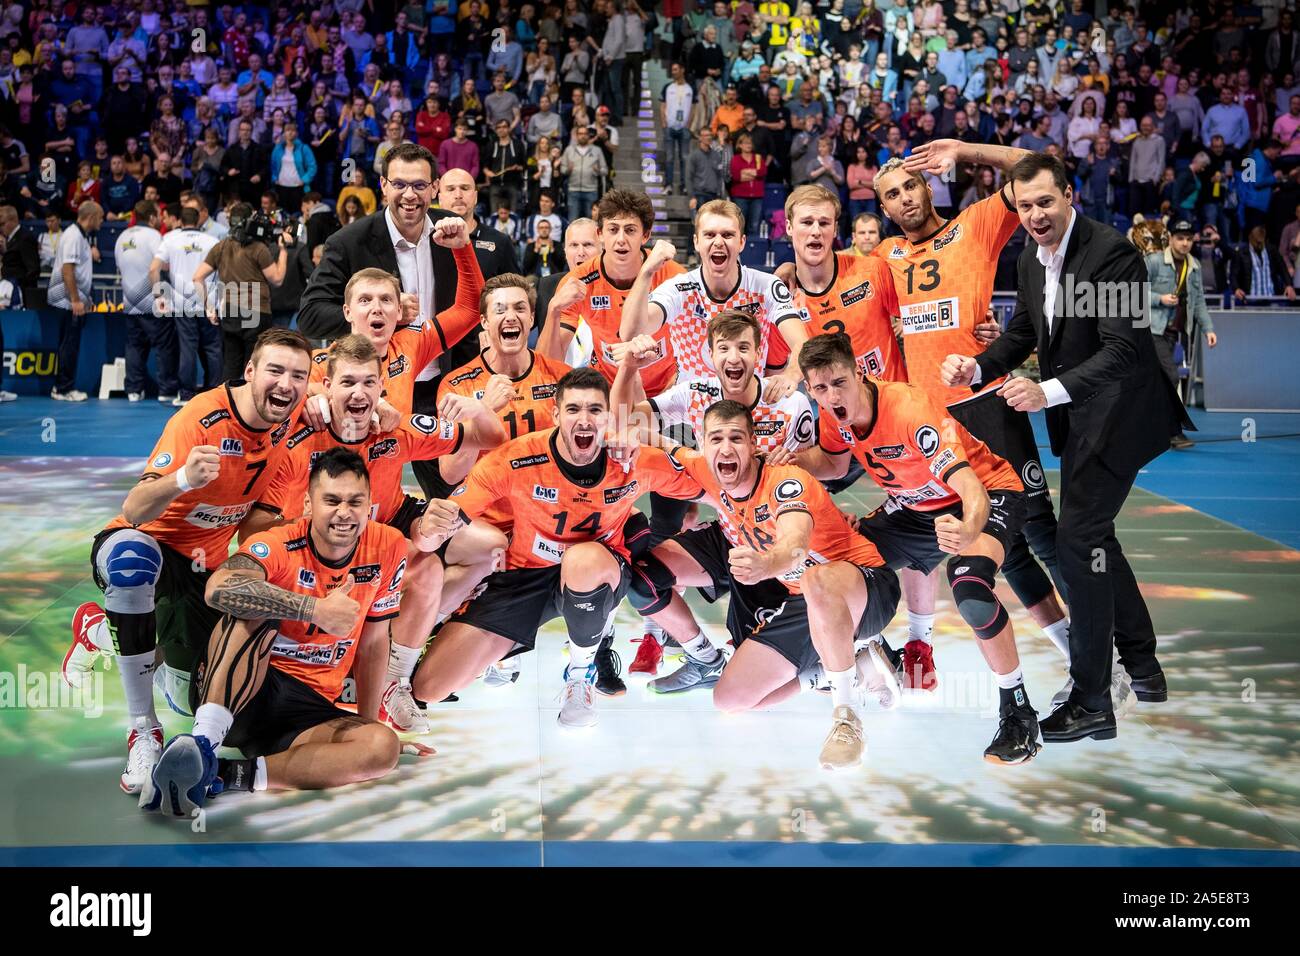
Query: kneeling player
(303, 603)
(803, 585)
(571, 497)
(948, 494)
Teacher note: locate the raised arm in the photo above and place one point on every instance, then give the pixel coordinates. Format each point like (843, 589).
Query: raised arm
(639, 314)
(553, 341)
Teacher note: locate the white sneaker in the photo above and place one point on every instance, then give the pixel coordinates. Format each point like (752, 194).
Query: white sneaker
(144, 745)
(877, 675)
(1122, 699)
(502, 673)
(398, 709)
(134, 396)
(167, 398)
(578, 702)
(179, 402)
(71, 395)
(8, 396)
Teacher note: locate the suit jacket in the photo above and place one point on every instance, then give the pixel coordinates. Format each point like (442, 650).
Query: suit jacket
(364, 244)
(22, 263)
(1122, 407)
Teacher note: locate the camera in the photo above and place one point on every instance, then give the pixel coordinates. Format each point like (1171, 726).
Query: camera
(267, 227)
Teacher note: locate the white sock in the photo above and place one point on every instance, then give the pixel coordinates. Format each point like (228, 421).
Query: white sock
(580, 659)
(259, 774)
(212, 721)
(654, 629)
(1059, 634)
(919, 626)
(137, 681)
(402, 661)
(700, 648)
(1010, 680)
(101, 635)
(844, 687)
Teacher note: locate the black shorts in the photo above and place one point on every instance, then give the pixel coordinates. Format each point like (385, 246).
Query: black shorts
(184, 619)
(410, 509)
(905, 537)
(1009, 434)
(768, 613)
(517, 602)
(281, 710)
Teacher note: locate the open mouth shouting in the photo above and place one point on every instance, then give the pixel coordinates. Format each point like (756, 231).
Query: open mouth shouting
(733, 373)
(279, 404)
(840, 412)
(358, 408)
(728, 469)
(584, 439)
(718, 258)
(512, 332)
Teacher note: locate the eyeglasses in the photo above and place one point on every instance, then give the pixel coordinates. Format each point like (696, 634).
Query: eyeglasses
(419, 186)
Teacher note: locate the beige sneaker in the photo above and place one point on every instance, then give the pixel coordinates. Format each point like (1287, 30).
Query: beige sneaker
(846, 743)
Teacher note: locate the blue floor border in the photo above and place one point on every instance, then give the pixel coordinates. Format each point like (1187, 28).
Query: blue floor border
(629, 853)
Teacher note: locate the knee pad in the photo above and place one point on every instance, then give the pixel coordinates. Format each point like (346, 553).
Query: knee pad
(1029, 581)
(637, 537)
(652, 585)
(971, 579)
(129, 563)
(585, 613)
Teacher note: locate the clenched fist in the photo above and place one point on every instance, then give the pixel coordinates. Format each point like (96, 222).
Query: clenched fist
(336, 613)
(203, 465)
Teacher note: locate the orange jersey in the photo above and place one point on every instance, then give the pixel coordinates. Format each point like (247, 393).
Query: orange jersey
(553, 511)
(202, 522)
(750, 522)
(602, 308)
(290, 561)
(914, 447)
(859, 301)
(412, 349)
(944, 286)
(420, 438)
(532, 409)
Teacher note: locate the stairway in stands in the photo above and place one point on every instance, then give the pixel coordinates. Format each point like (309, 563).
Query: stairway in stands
(638, 163)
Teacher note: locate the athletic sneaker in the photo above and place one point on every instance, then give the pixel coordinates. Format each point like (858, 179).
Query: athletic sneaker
(83, 655)
(918, 666)
(179, 783)
(8, 396)
(503, 673)
(1018, 737)
(144, 745)
(578, 701)
(71, 395)
(134, 396)
(609, 667)
(397, 708)
(876, 672)
(648, 655)
(690, 676)
(167, 399)
(846, 743)
(179, 402)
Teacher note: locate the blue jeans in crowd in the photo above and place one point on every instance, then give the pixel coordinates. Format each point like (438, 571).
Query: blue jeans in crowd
(580, 203)
(199, 340)
(147, 333)
(679, 141)
(752, 210)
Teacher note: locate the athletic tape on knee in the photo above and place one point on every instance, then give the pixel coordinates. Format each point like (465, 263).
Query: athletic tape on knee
(971, 579)
(651, 585)
(129, 562)
(585, 613)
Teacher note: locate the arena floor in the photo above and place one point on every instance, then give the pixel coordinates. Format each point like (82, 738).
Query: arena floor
(1210, 777)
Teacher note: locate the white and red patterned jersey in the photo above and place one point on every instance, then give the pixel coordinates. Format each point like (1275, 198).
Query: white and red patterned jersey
(688, 307)
(787, 423)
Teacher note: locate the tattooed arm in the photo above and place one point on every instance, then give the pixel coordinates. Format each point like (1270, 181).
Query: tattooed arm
(239, 588)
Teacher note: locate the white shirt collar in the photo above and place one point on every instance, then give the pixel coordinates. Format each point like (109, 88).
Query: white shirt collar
(397, 237)
(1050, 259)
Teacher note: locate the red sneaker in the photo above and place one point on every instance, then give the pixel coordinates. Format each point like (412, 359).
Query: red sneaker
(82, 655)
(648, 656)
(918, 666)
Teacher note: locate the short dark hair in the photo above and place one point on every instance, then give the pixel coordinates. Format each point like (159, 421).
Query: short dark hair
(1035, 163)
(408, 153)
(281, 336)
(728, 410)
(144, 211)
(625, 202)
(189, 217)
(338, 461)
(825, 350)
(582, 378)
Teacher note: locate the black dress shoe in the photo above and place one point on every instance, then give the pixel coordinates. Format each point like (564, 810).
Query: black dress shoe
(1072, 722)
(1017, 739)
(1151, 689)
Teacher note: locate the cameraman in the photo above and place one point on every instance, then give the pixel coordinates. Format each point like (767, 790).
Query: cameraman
(242, 304)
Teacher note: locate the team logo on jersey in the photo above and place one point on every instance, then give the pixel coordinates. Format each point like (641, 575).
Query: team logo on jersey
(397, 366)
(888, 452)
(232, 446)
(217, 516)
(754, 308)
(321, 357)
(803, 429)
(281, 430)
(897, 252)
(1032, 475)
(846, 436)
(302, 433)
(768, 427)
(599, 303)
(396, 583)
(856, 294)
(162, 461)
(541, 392)
(382, 449)
(429, 425)
(615, 495)
(260, 549)
(210, 419)
(306, 578)
(366, 573)
(871, 363)
(945, 461)
(950, 238)
(297, 544)
(789, 489)
(927, 439)
(487, 244)
(530, 461)
(780, 292)
(469, 376)
(762, 513)
(548, 495)
(688, 286)
(699, 311)
(934, 316)
(707, 389)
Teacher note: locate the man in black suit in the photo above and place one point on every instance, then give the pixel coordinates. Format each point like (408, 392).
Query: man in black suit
(247, 164)
(1110, 410)
(21, 265)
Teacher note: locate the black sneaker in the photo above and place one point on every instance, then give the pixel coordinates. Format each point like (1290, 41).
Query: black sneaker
(608, 667)
(1017, 739)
